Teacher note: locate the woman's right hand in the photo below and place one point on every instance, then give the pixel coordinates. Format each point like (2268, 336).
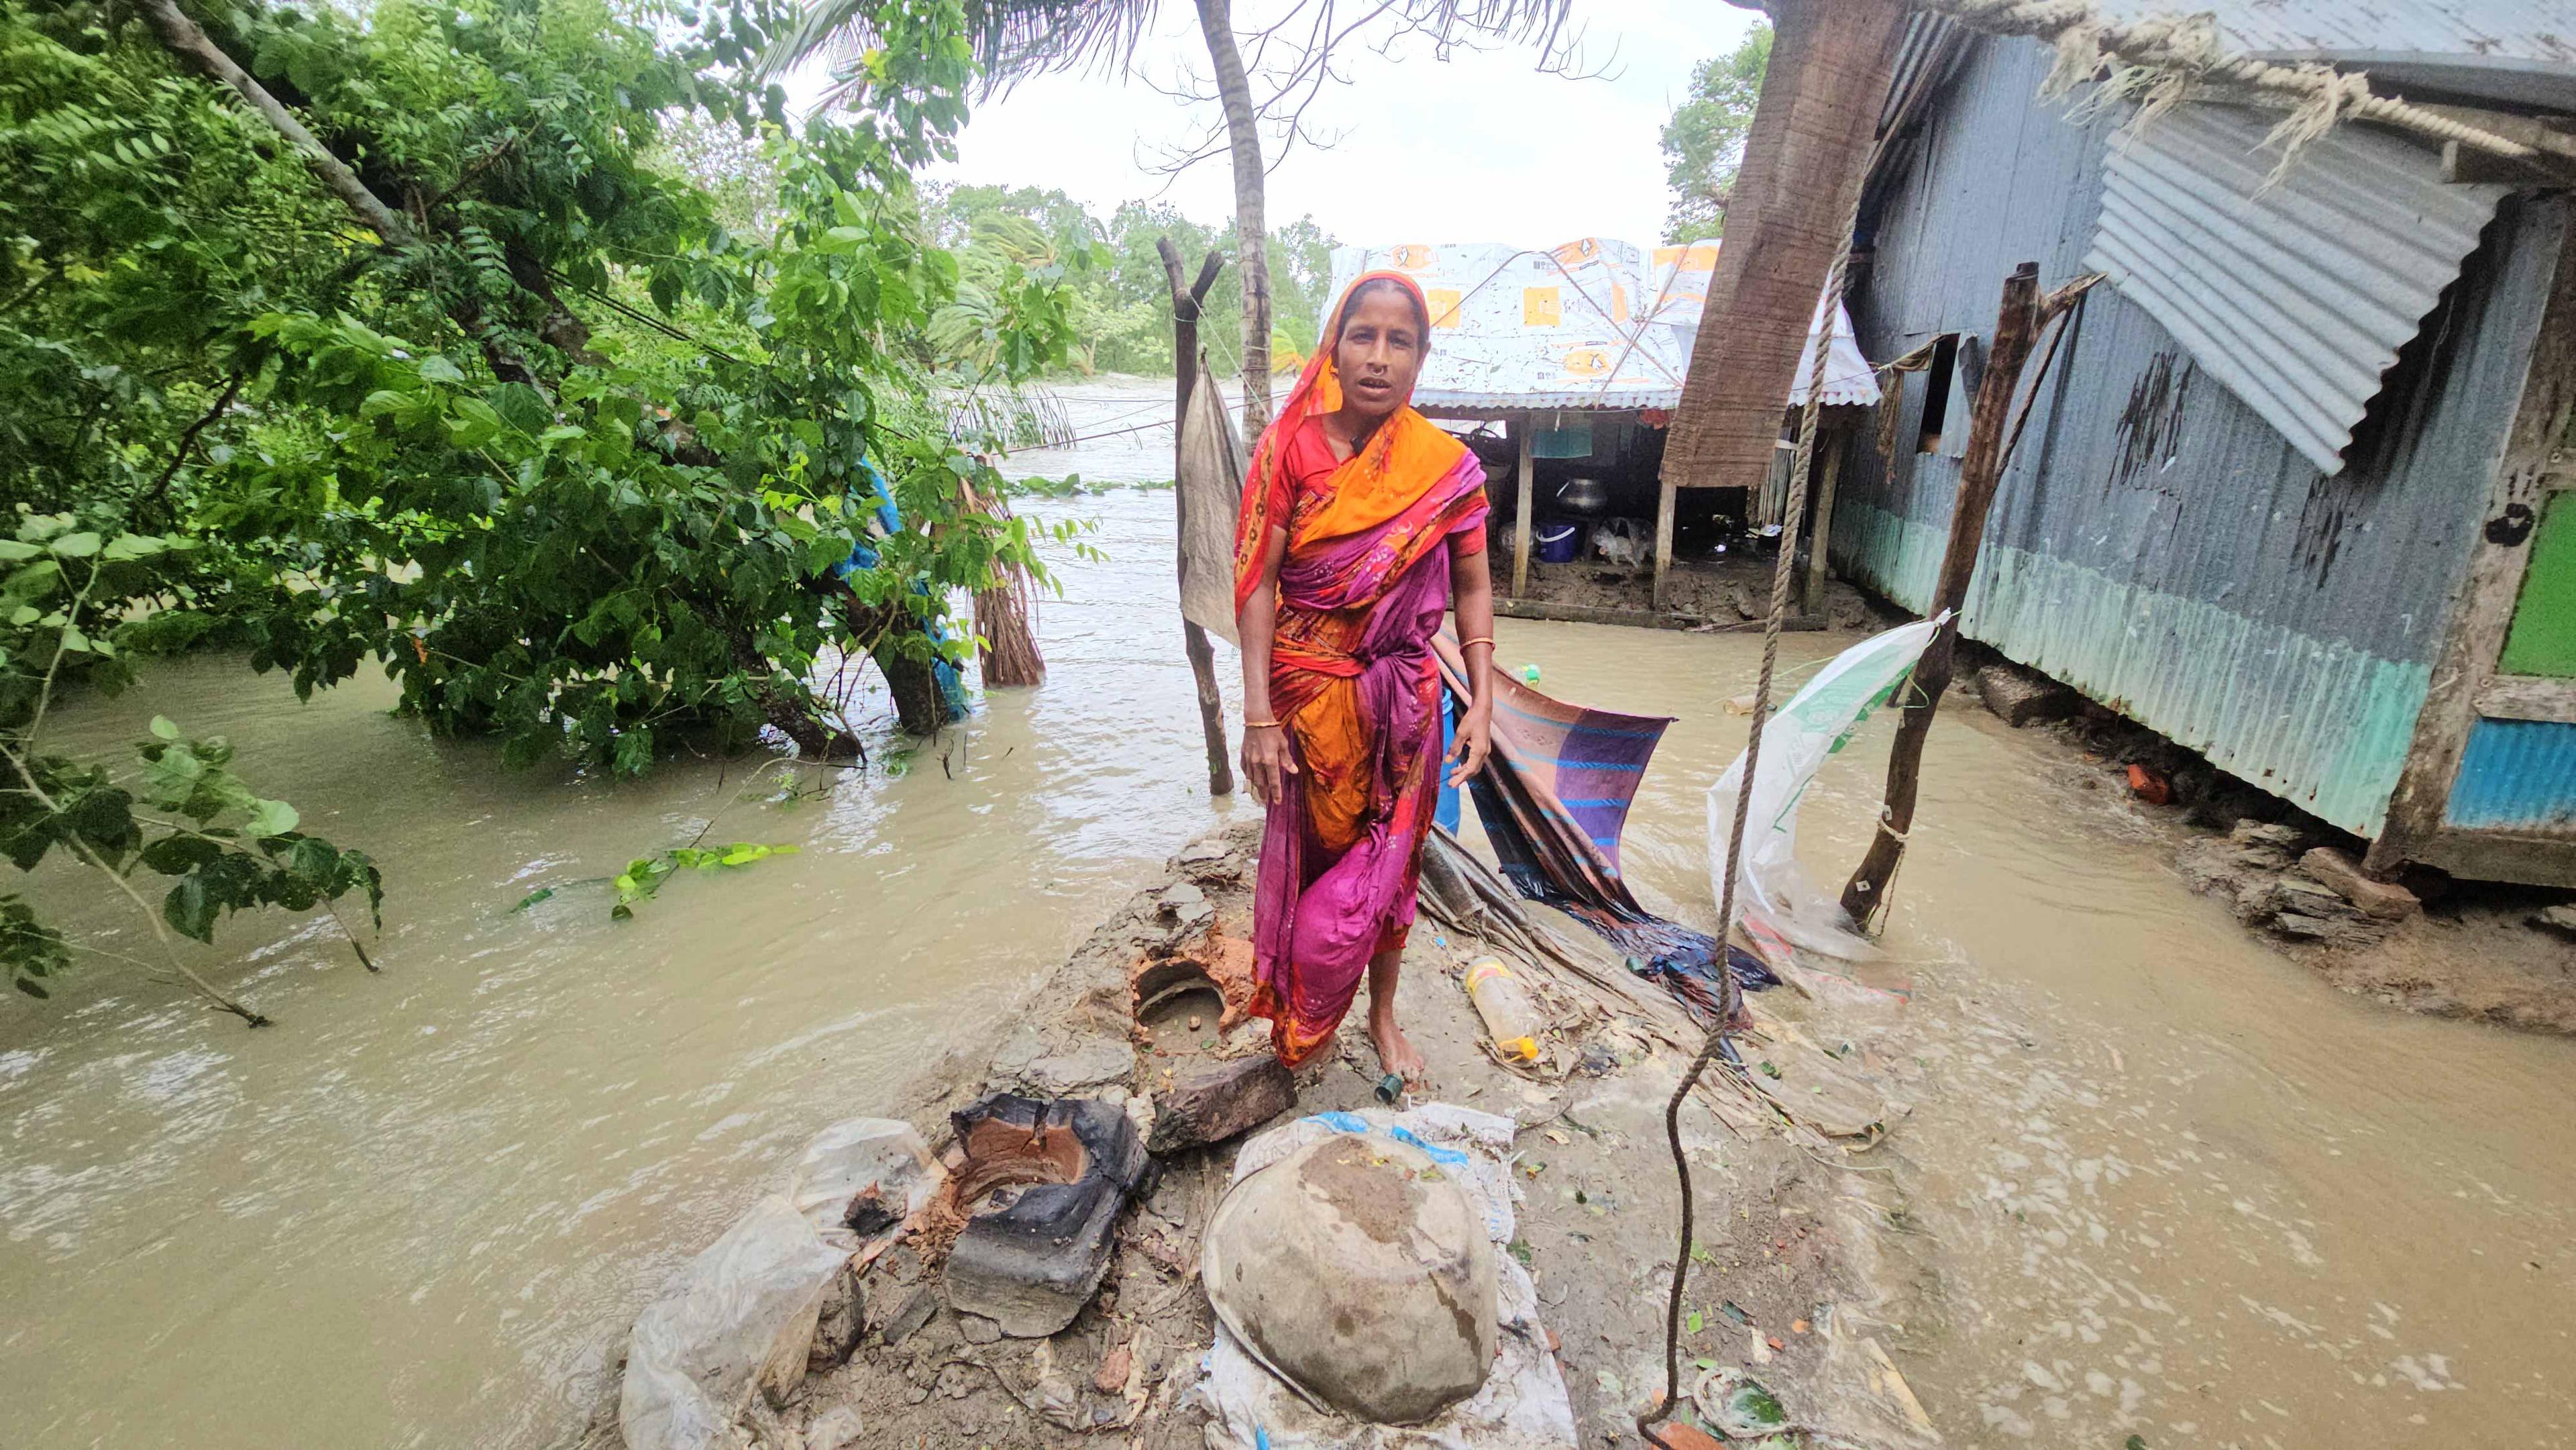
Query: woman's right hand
(1267, 762)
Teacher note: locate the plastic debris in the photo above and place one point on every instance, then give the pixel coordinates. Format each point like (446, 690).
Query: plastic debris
(739, 1318)
(1797, 739)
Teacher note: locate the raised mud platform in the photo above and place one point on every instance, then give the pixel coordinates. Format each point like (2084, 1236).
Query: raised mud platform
(1145, 1019)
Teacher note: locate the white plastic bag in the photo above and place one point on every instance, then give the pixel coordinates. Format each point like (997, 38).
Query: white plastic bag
(739, 1316)
(1815, 723)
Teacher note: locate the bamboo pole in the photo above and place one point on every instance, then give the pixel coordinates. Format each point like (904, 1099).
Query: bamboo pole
(1525, 475)
(1665, 498)
(1993, 426)
(1811, 601)
(1186, 301)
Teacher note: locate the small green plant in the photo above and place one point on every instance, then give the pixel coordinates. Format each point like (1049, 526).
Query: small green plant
(643, 877)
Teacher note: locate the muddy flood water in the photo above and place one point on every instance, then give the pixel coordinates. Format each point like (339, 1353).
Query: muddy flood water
(2156, 1179)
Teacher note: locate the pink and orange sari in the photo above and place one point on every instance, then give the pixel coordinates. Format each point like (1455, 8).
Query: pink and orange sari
(1352, 678)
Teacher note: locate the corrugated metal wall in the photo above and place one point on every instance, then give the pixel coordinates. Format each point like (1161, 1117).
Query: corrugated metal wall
(2517, 775)
(2155, 543)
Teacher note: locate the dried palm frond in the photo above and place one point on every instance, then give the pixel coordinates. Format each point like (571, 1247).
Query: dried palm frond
(1015, 39)
(1006, 614)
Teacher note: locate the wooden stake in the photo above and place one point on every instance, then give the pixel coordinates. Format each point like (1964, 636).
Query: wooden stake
(1186, 301)
(2017, 327)
(1521, 432)
(1811, 600)
(1664, 500)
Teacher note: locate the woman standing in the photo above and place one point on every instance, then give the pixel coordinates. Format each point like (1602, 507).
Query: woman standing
(1358, 517)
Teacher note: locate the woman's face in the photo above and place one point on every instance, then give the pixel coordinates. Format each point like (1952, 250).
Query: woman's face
(1380, 353)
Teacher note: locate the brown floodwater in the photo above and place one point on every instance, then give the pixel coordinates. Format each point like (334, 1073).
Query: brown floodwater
(420, 1209)
(2166, 1182)
(2163, 1181)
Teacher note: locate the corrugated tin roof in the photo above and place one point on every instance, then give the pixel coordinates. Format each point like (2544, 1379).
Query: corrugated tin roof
(1597, 324)
(2297, 298)
(2520, 50)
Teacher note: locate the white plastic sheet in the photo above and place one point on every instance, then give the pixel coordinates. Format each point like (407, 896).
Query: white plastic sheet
(1799, 737)
(1523, 1405)
(853, 1156)
(739, 1316)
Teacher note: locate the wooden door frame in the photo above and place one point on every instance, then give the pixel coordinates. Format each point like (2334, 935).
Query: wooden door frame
(2530, 466)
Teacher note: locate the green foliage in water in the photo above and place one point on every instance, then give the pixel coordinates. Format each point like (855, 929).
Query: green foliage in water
(642, 879)
(643, 876)
(548, 435)
(175, 809)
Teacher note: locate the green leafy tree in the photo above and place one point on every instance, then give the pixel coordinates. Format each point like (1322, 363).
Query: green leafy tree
(1704, 140)
(421, 339)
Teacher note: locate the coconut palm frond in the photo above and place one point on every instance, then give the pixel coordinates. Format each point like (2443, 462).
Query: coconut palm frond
(1012, 38)
(1015, 39)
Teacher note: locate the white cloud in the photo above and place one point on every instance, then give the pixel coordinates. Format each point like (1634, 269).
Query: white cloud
(1478, 148)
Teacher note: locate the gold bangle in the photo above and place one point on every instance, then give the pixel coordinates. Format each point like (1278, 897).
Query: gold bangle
(1262, 725)
(1486, 639)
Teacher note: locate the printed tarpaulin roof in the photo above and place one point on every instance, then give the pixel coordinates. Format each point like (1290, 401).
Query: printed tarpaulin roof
(1594, 324)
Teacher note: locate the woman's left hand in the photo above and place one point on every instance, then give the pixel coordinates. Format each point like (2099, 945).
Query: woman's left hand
(1474, 741)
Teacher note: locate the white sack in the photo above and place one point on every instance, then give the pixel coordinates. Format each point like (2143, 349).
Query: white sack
(1523, 1405)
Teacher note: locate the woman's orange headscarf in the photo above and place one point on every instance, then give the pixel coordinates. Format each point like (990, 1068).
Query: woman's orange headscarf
(1406, 455)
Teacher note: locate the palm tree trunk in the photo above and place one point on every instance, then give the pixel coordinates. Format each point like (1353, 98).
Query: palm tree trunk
(1251, 225)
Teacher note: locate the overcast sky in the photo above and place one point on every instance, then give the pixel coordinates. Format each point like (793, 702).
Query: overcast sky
(1480, 148)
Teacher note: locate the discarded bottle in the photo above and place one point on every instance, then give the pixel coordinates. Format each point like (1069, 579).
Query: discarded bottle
(1529, 674)
(1510, 1018)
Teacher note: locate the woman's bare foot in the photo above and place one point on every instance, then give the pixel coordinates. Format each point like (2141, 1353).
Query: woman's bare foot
(1394, 1052)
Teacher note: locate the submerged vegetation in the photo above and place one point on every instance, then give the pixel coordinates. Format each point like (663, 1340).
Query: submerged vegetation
(418, 338)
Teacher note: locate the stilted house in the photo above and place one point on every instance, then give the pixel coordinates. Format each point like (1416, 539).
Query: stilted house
(2293, 494)
(1577, 355)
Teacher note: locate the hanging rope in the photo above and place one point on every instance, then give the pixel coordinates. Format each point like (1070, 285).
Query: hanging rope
(1783, 571)
(2159, 60)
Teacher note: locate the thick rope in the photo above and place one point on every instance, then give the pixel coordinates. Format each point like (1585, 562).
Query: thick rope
(2161, 59)
(1731, 997)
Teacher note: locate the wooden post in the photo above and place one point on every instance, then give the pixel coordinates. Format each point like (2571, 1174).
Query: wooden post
(1811, 598)
(2017, 327)
(1525, 476)
(1664, 500)
(1185, 373)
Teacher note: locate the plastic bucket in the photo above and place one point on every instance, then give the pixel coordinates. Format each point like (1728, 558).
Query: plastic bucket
(1558, 543)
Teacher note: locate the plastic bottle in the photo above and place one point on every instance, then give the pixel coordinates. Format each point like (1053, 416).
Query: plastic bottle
(1510, 1017)
(1529, 674)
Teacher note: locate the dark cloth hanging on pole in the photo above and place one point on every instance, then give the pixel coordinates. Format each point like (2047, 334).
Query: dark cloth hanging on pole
(1553, 798)
(1207, 482)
